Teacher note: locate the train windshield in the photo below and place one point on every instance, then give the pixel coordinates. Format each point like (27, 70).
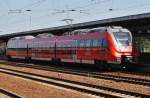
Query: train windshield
(123, 38)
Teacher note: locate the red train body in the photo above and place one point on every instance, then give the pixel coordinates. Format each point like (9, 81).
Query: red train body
(104, 44)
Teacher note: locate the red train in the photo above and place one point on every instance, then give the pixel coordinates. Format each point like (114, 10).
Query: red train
(98, 45)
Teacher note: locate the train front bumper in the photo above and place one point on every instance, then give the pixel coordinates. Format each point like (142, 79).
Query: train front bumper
(126, 58)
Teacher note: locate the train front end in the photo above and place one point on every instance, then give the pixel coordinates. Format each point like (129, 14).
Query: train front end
(122, 49)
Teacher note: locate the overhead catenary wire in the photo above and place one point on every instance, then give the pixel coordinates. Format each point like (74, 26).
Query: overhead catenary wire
(26, 7)
(112, 9)
(79, 9)
(29, 6)
(20, 10)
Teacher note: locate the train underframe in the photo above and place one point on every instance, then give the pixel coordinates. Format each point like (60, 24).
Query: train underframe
(122, 63)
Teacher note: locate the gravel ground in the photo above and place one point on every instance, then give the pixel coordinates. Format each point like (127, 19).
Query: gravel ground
(129, 75)
(100, 82)
(31, 89)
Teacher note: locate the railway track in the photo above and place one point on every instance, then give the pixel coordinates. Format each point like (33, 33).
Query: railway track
(78, 86)
(8, 94)
(87, 74)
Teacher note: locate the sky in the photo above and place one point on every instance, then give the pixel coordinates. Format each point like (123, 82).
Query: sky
(25, 15)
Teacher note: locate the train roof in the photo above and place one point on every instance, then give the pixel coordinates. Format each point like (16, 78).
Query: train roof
(23, 37)
(77, 32)
(98, 29)
(45, 35)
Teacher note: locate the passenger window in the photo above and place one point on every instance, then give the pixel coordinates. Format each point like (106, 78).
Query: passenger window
(82, 43)
(104, 43)
(51, 45)
(46, 45)
(88, 43)
(62, 45)
(68, 45)
(76, 44)
(71, 44)
(42, 45)
(95, 43)
(99, 43)
(36, 45)
(59, 45)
